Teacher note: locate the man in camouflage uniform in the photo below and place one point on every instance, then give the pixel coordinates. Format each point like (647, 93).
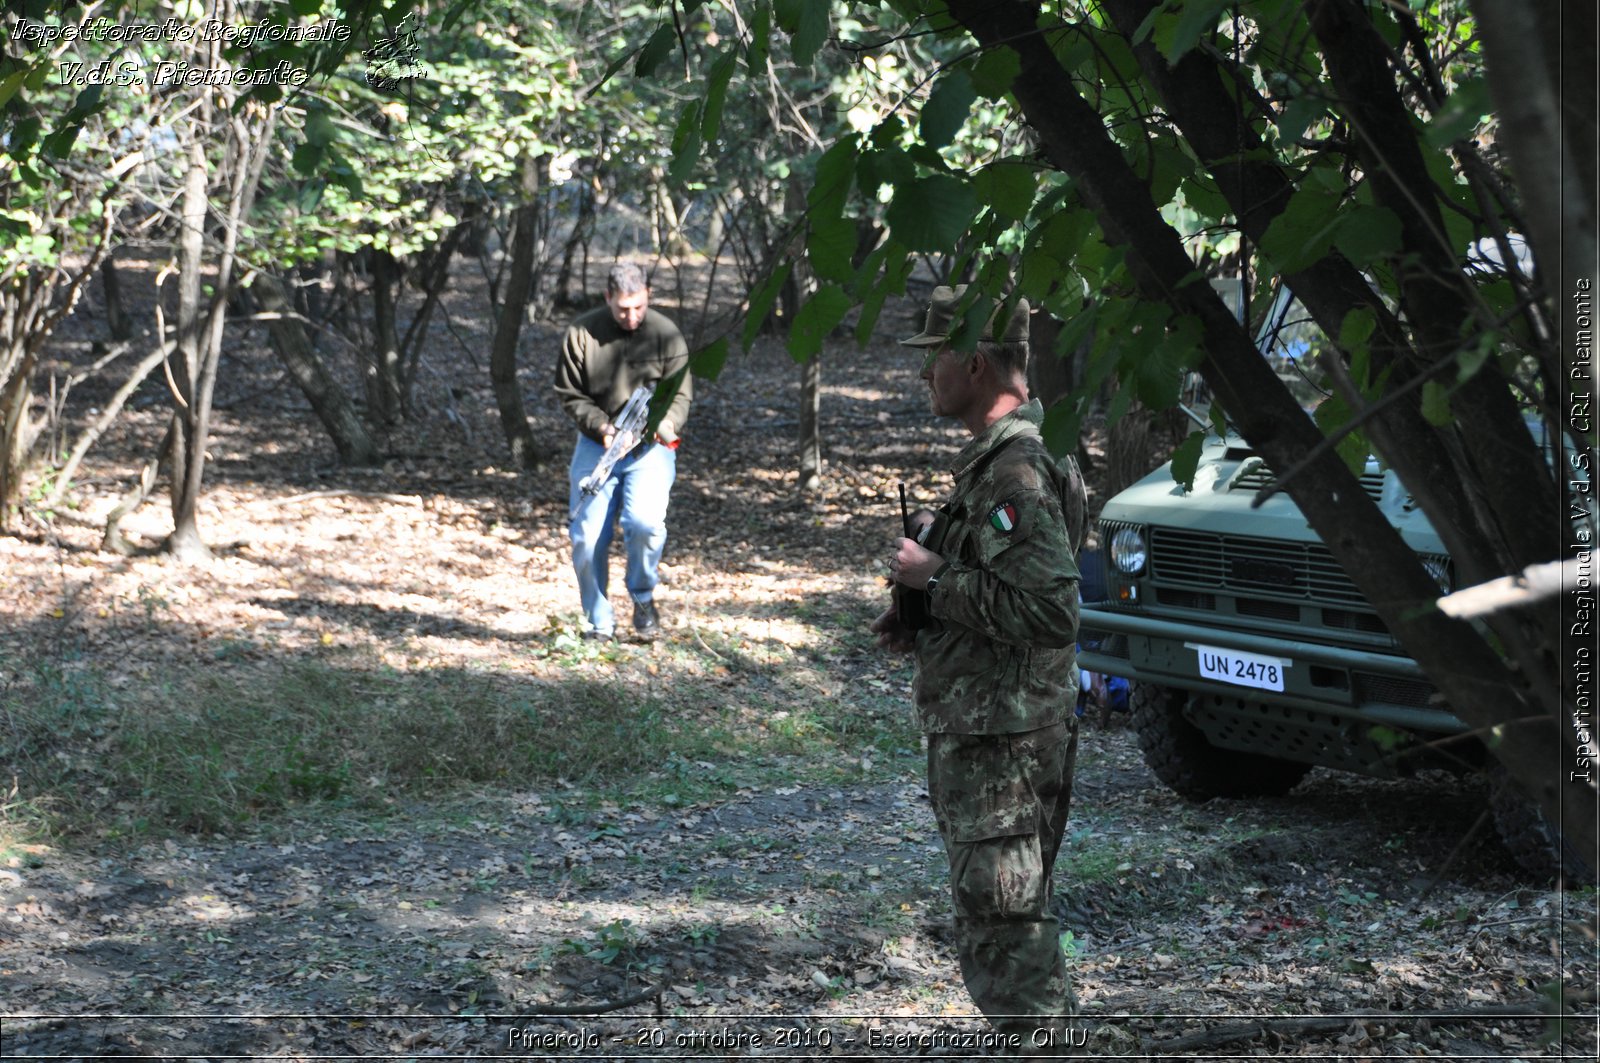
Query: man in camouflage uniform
(997, 672)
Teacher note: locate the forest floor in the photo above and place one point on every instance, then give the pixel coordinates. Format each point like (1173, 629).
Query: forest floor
(780, 893)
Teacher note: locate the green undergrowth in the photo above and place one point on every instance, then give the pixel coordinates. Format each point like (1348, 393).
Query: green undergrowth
(214, 746)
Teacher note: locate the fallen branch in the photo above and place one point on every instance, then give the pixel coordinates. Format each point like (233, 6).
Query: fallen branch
(410, 500)
(1226, 1035)
(651, 993)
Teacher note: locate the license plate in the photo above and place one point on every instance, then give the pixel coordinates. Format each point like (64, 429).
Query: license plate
(1242, 669)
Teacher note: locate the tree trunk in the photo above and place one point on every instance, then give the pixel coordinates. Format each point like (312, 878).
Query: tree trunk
(188, 426)
(1051, 376)
(16, 433)
(116, 316)
(810, 440)
(525, 453)
(385, 395)
(332, 407)
(578, 239)
(435, 273)
(243, 155)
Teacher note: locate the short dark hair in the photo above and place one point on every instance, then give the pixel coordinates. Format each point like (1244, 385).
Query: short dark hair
(626, 278)
(1007, 358)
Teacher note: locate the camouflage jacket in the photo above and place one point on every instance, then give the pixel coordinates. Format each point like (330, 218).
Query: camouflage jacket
(999, 654)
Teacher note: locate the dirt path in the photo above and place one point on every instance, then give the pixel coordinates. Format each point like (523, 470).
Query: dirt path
(787, 918)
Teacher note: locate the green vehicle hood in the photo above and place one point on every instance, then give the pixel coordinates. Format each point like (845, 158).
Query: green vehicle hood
(1229, 477)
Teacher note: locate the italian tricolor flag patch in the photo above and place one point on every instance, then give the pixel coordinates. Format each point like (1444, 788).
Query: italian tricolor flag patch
(1003, 517)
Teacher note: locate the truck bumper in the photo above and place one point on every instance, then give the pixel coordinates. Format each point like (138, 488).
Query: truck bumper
(1330, 681)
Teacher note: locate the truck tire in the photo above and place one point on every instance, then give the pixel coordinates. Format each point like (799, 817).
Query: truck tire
(1531, 839)
(1181, 757)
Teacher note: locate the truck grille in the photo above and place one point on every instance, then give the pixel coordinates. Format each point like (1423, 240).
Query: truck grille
(1248, 565)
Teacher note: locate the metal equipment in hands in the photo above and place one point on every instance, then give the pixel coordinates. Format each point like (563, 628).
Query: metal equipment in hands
(628, 428)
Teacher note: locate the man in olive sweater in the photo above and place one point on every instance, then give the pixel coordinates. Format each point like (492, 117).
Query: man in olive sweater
(606, 354)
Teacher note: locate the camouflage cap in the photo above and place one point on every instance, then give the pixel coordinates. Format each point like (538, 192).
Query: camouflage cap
(941, 316)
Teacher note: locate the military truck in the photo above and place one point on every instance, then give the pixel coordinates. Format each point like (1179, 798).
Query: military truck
(1251, 654)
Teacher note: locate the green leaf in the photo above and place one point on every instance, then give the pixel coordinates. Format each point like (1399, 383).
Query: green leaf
(1472, 357)
(1219, 420)
(655, 50)
(1304, 231)
(1171, 351)
(717, 94)
(307, 157)
(306, 7)
(310, 193)
(661, 399)
(1367, 234)
(761, 301)
(1436, 404)
(23, 135)
(1063, 234)
(760, 38)
(686, 144)
(1007, 187)
(1165, 166)
(830, 245)
(1332, 414)
(1076, 47)
(1355, 332)
(1461, 114)
(896, 264)
(806, 22)
(1061, 425)
(812, 31)
(320, 130)
(1202, 195)
(831, 186)
(995, 72)
(9, 87)
(1186, 459)
(1195, 18)
(883, 166)
(37, 77)
(1356, 328)
(1298, 115)
(947, 108)
(931, 213)
(708, 361)
(59, 143)
(1038, 275)
(871, 307)
(813, 321)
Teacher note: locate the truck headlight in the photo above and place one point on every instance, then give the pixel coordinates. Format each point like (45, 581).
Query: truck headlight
(1439, 569)
(1128, 551)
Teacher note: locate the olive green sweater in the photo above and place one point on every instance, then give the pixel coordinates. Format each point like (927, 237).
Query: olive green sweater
(600, 365)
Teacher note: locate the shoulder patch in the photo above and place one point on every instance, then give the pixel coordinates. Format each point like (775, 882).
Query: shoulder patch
(1004, 517)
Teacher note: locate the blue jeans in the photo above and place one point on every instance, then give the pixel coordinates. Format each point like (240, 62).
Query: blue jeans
(638, 488)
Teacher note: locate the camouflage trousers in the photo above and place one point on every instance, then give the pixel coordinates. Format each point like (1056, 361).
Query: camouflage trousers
(1001, 802)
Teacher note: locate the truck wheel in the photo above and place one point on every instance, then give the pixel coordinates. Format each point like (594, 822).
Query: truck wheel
(1179, 754)
(1533, 841)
